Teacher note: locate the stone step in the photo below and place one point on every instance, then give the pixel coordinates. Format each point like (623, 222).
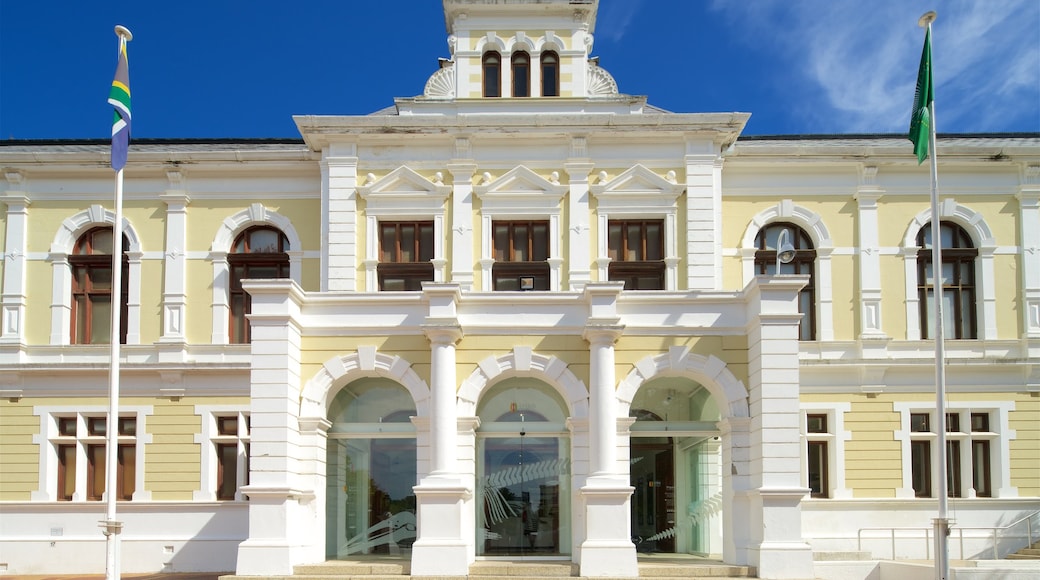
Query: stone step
(487, 569)
(841, 556)
(1021, 556)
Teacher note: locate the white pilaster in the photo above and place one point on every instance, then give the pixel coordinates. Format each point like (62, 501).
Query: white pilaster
(441, 548)
(175, 260)
(703, 216)
(867, 196)
(462, 217)
(776, 547)
(579, 232)
(281, 501)
(607, 549)
(1029, 214)
(339, 168)
(14, 298)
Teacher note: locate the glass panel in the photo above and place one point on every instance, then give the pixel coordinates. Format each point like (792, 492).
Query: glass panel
(633, 242)
(967, 305)
(67, 426)
(82, 318)
(921, 468)
(239, 324)
(540, 241)
(97, 426)
(653, 500)
(100, 319)
(501, 242)
(920, 423)
(127, 472)
(953, 468)
(818, 468)
(521, 238)
(96, 472)
(371, 507)
(407, 242)
(805, 307)
(980, 468)
(549, 76)
(949, 314)
(387, 243)
(946, 235)
(980, 422)
(425, 242)
(227, 466)
(953, 422)
(816, 423)
(947, 273)
(370, 403)
(66, 472)
(101, 242)
(128, 426)
(614, 241)
(261, 272)
(654, 241)
(264, 241)
(227, 425)
(100, 278)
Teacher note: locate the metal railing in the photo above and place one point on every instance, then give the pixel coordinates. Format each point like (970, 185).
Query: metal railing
(1031, 532)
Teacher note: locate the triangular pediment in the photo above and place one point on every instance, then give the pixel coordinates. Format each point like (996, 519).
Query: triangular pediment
(520, 181)
(402, 184)
(638, 181)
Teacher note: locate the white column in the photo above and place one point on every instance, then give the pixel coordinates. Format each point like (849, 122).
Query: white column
(280, 499)
(339, 169)
(867, 196)
(442, 548)
(579, 232)
(175, 261)
(776, 547)
(607, 549)
(462, 216)
(14, 297)
(1029, 214)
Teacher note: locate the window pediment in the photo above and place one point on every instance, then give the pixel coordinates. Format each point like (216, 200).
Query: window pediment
(521, 189)
(404, 189)
(637, 187)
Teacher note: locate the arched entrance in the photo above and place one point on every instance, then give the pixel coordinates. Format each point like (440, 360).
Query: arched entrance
(370, 470)
(523, 472)
(675, 470)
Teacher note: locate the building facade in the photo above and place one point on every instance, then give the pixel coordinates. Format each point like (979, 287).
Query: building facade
(521, 316)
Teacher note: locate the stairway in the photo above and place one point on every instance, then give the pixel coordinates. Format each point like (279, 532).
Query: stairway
(657, 569)
(1027, 553)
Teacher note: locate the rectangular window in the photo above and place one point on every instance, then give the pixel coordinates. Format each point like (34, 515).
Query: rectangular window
(405, 255)
(953, 468)
(66, 471)
(231, 451)
(980, 469)
(921, 467)
(636, 250)
(227, 470)
(818, 467)
(521, 251)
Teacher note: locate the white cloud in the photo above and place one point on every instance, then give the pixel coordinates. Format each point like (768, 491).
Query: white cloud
(863, 57)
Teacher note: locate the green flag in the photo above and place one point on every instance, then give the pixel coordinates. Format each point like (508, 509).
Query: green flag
(920, 117)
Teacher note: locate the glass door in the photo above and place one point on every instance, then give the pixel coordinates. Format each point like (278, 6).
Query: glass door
(653, 498)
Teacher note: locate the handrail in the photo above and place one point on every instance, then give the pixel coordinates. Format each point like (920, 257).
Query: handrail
(995, 530)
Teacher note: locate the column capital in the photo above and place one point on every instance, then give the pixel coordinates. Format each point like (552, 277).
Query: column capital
(442, 333)
(597, 333)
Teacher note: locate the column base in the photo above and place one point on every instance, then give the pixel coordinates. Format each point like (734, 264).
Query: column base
(608, 549)
(261, 558)
(783, 560)
(441, 548)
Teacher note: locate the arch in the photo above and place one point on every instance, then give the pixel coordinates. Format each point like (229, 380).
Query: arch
(337, 372)
(61, 277)
(523, 362)
(813, 224)
(709, 371)
(492, 42)
(255, 214)
(981, 235)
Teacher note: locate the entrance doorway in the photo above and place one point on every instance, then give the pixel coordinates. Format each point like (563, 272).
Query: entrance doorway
(523, 482)
(675, 469)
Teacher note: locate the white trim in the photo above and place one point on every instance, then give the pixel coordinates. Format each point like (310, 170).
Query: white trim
(255, 214)
(729, 392)
(636, 193)
(836, 436)
(985, 278)
(814, 226)
(48, 436)
(61, 286)
(1000, 452)
(207, 441)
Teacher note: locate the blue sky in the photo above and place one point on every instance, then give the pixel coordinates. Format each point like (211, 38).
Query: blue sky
(242, 68)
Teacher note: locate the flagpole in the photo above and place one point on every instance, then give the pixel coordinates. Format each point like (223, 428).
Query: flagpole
(941, 522)
(111, 526)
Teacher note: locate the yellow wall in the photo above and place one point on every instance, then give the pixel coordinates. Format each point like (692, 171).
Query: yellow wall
(19, 456)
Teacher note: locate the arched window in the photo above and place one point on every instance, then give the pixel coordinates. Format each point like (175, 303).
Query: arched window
(91, 264)
(258, 252)
(492, 65)
(958, 281)
(803, 263)
(521, 62)
(550, 74)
